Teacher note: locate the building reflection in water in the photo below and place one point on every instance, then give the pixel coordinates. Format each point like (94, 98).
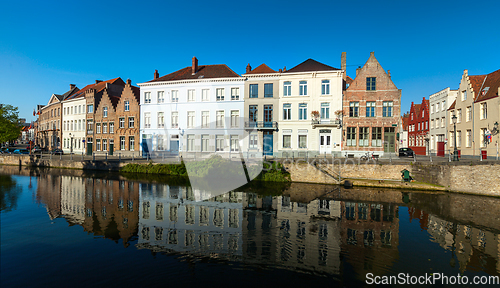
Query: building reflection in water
(314, 236)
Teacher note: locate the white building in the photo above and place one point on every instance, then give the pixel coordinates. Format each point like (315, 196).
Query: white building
(309, 86)
(196, 109)
(439, 103)
(73, 123)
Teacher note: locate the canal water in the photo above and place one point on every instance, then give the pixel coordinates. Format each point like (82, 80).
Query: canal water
(64, 228)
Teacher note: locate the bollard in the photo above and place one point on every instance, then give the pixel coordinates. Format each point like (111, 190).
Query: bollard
(93, 156)
(480, 155)
(60, 156)
(119, 157)
(71, 157)
(106, 156)
(163, 156)
(390, 157)
(430, 157)
(82, 156)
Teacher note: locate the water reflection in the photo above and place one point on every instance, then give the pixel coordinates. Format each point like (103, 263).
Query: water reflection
(315, 229)
(9, 193)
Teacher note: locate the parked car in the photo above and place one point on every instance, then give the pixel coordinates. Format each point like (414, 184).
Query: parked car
(406, 152)
(21, 151)
(57, 152)
(8, 150)
(36, 150)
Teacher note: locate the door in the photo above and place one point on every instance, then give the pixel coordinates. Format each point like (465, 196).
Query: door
(389, 140)
(268, 143)
(174, 147)
(440, 149)
(146, 143)
(111, 148)
(89, 148)
(324, 142)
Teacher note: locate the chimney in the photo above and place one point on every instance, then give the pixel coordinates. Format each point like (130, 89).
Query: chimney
(389, 73)
(357, 70)
(249, 68)
(284, 69)
(281, 70)
(129, 82)
(372, 54)
(71, 86)
(107, 85)
(194, 68)
(98, 81)
(343, 64)
(156, 75)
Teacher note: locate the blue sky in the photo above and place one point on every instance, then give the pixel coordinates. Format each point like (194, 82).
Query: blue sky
(46, 45)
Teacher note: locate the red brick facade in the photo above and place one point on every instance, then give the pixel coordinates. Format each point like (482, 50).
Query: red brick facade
(372, 109)
(418, 127)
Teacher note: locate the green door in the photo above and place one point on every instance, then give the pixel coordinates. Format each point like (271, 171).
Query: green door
(89, 148)
(389, 139)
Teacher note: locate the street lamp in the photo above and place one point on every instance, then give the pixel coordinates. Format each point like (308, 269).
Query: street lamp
(71, 144)
(455, 151)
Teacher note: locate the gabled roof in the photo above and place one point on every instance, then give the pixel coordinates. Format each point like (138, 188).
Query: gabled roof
(262, 69)
(98, 87)
(203, 72)
(476, 81)
(311, 65)
(489, 89)
(405, 119)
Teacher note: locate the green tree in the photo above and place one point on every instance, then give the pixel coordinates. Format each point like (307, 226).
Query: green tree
(10, 127)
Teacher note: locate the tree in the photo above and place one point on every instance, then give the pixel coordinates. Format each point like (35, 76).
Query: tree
(10, 127)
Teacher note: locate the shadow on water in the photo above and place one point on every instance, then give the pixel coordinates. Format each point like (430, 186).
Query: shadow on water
(9, 193)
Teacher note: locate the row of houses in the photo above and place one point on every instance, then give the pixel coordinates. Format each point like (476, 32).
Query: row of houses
(310, 109)
(473, 109)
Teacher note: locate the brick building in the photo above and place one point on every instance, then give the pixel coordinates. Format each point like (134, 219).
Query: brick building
(100, 116)
(418, 127)
(49, 130)
(371, 108)
(126, 123)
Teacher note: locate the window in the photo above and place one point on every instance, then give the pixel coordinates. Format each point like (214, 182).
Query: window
(469, 114)
(268, 115)
(353, 109)
(98, 145)
(104, 144)
(104, 111)
(370, 109)
(364, 134)
(443, 122)
(253, 143)
(111, 127)
(252, 115)
(268, 90)
(459, 138)
(131, 143)
(160, 143)
(204, 95)
(370, 83)
(104, 127)
(220, 94)
(130, 122)
(302, 141)
(443, 104)
(161, 120)
(71, 110)
(464, 95)
(127, 105)
(432, 108)
(220, 119)
(484, 111)
(287, 111)
(432, 124)
(235, 93)
(325, 111)
(80, 125)
(325, 87)
(387, 109)
(469, 138)
(175, 96)
(191, 95)
(190, 119)
(147, 120)
(175, 119)
(122, 122)
(303, 88)
(423, 113)
(204, 143)
(235, 118)
(90, 108)
(376, 136)
(161, 97)
(303, 111)
(287, 141)
(90, 125)
(351, 136)
(459, 116)
(287, 88)
(482, 138)
(254, 91)
(98, 128)
(190, 142)
(147, 97)
(205, 118)
(219, 143)
(235, 145)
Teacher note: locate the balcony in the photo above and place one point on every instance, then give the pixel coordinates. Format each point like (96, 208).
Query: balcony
(261, 125)
(320, 123)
